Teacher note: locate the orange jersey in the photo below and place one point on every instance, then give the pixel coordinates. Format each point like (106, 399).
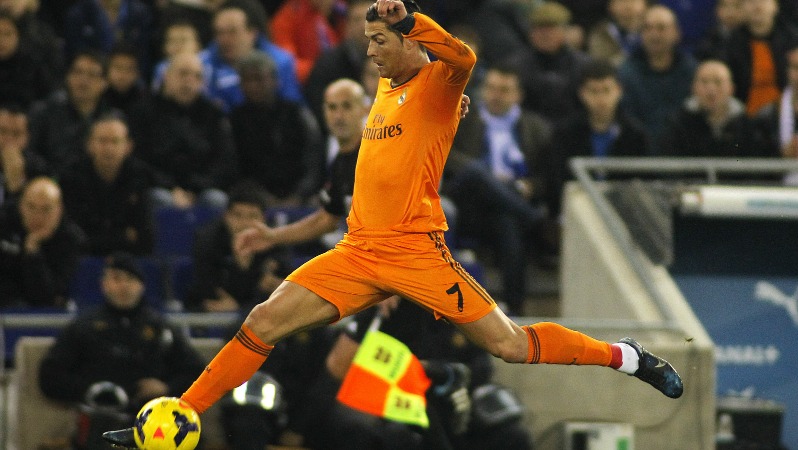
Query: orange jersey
(407, 139)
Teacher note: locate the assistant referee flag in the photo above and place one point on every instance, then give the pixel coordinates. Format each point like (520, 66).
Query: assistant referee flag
(385, 379)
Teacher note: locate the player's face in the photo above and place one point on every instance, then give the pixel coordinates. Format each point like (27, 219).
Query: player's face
(344, 113)
(386, 49)
(122, 289)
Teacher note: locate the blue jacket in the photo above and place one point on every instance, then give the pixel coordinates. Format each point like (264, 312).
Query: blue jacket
(223, 83)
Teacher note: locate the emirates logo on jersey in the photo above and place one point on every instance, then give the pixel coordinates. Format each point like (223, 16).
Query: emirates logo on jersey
(403, 96)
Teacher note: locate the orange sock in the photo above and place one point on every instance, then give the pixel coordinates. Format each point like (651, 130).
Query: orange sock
(235, 363)
(550, 343)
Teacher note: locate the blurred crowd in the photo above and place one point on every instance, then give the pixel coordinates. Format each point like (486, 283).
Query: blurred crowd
(113, 109)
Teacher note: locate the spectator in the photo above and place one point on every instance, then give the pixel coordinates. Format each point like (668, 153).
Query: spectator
(199, 14)
(779, 119)
(503, 28)
(712, 122)
(600, 129)
(757, 52)
(617, 36)
(237, 32)
(656, 77)
(494, 171)
(126, 87)
(185, 138)
(58, 125)
(54, 14)
(37, 38)
(549, 66)
(17, 163)
(38, 248)
(279, 142)
(306, 28)
(729, 16)
(107, 191)
(345, 109)
(223, 279)
(101, 24)
(345, 60)
(117, 356)
(179, 37)
(23, 79)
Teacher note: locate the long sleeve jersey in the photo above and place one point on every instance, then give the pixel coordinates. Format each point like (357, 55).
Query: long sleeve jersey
(407, 139)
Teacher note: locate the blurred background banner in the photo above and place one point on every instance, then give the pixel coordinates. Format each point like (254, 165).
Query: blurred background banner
(754, 323)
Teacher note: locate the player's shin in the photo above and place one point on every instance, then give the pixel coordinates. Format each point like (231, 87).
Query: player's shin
(550, 343)
(235, 363)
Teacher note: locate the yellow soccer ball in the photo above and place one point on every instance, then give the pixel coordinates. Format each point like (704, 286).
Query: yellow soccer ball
(167, 423)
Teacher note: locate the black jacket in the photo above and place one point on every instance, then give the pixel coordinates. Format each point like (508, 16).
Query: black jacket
(188, 146)
(215, 267)
(739, 59)
(41, 279)
(573, 138)
(688, 133)
(108, 213)
(279, 147)
(108, 344)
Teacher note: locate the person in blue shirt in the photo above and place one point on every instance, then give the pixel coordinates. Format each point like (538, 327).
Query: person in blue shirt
(236, 33)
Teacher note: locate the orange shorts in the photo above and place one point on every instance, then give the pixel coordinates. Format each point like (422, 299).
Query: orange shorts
(363, 270)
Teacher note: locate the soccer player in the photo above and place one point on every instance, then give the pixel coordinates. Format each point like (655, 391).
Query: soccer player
(395, 243)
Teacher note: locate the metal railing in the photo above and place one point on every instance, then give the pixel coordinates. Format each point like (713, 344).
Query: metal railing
(590, 172)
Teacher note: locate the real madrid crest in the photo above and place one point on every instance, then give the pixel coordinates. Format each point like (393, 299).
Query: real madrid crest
(403, 96)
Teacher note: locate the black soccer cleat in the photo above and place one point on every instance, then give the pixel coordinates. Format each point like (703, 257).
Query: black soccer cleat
(656, 371)
(121, 438)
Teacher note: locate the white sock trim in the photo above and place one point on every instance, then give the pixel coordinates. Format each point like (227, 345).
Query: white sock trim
(631, 360)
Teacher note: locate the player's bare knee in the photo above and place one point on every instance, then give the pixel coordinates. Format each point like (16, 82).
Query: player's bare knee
(508, 351)
(261, 322)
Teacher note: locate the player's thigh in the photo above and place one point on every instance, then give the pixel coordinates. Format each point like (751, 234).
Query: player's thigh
(427, 274)
(344, 277)
(290, 308)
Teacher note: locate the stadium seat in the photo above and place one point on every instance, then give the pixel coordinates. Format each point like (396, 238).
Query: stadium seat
(180, 271)
(175, 228)
(85, 286)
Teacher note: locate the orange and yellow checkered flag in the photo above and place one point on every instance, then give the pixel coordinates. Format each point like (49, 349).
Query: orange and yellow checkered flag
(385, 379)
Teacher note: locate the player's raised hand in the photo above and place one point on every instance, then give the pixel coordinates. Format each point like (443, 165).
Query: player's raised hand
(391, 11)
(256, 238)
(464, 102)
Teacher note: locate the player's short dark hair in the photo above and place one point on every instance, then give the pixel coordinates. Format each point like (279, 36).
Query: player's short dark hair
(247, 192)
(410, 5)
(597, 69)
